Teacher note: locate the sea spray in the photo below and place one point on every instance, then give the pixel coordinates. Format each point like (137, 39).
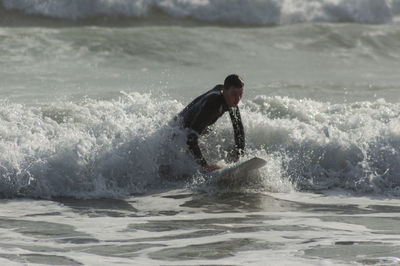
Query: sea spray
(330, 145)
(69, 149)
(115, 148)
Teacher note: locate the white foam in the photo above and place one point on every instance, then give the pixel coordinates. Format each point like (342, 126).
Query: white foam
(89, 149)
(239, 11)
(353, 146)
(114, 148)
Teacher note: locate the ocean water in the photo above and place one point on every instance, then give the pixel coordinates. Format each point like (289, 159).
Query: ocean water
(86, 92)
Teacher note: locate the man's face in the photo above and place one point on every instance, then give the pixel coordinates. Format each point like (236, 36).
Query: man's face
(232, 96)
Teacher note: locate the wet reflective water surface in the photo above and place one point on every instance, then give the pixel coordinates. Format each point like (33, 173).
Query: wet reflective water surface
(180, 227)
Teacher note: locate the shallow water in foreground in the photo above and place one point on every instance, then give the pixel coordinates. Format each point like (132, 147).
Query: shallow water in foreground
(180, 227)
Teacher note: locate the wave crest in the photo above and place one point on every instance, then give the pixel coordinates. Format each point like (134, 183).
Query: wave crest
(256, 12)
(116, 148)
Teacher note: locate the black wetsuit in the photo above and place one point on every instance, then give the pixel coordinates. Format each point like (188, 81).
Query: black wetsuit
(201, 113)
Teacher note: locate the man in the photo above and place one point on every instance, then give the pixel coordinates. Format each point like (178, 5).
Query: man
(205, 110)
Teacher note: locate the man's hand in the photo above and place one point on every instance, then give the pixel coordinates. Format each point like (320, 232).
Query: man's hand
(211, 167)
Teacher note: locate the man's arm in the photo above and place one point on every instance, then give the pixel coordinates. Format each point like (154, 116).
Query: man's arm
(199, 122)
(238, 131)
(192, 142)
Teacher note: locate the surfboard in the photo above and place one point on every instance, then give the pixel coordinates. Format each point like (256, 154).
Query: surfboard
(238, 171)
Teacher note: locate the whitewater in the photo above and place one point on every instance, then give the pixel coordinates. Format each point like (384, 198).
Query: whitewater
(87, 90)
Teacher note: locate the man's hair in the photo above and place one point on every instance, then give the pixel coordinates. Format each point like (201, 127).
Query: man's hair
(233, 80)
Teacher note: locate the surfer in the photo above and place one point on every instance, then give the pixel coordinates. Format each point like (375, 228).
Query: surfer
(205, 110)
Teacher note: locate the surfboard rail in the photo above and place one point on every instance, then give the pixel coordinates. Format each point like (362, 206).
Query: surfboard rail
(239, 170)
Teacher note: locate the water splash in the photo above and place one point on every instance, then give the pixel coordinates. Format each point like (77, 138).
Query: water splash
(115, 148)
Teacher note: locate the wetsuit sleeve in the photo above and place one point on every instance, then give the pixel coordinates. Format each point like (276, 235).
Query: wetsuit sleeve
(203, 118)
(238, 131)
(192, 142)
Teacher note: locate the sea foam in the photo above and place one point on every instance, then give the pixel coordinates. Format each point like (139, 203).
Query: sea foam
(264, 12)
(115, 148)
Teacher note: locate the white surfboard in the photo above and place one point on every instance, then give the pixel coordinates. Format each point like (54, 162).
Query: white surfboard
(238, 171)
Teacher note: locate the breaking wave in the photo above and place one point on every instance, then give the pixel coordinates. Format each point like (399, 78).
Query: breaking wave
(246, 12)
(114, 148)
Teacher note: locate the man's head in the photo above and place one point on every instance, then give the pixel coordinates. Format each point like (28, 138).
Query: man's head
(233, 90)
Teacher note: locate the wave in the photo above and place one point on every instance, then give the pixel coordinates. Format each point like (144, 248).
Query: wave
(115, 148)
(246, 12)
(87, 149)
(323, 146)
